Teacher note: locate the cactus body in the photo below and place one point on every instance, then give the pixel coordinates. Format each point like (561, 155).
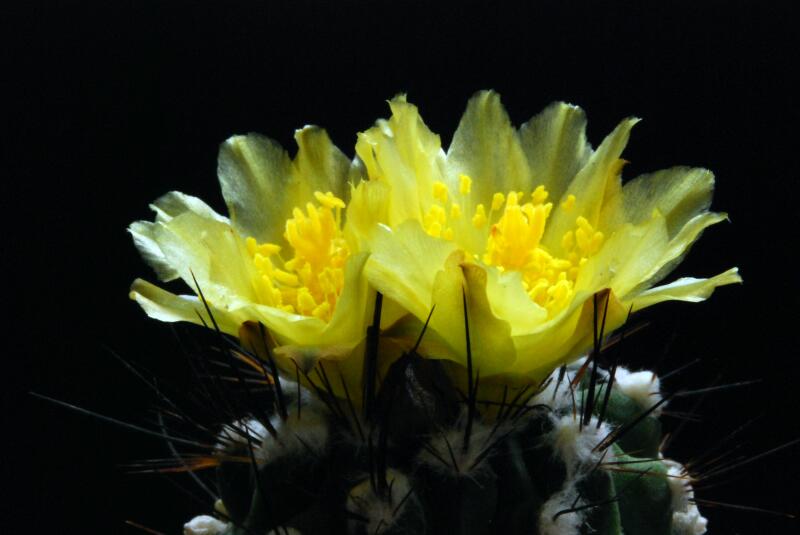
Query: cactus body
(428, 463)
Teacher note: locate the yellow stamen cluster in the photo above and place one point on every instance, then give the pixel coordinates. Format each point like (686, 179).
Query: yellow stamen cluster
(311, 281)
(513, 239)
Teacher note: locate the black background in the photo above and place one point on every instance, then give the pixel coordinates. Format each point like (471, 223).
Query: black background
(111, 106)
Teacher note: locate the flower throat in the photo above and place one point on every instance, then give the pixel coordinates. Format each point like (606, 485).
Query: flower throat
(510, 232)
(311, 281)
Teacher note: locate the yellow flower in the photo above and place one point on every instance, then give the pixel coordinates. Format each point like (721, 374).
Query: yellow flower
(529, 224)
(286, 257)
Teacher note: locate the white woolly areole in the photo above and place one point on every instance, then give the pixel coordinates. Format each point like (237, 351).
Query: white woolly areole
(686, 517)
(379, 512)
(301, 431)
(308, 430)
(453, 440)
(554, 395)
(566, 524)
(642, 387)
(204, 525)
(574, 444)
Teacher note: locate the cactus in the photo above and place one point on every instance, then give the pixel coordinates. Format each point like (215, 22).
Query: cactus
(502, 247)
(576, 453)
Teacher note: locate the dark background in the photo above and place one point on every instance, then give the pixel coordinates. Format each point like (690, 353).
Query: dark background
(111, 106)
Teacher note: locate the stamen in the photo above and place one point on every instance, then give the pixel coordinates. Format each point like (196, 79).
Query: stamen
(311, 282)
(465, 184)
(440, 192)
(479, 219)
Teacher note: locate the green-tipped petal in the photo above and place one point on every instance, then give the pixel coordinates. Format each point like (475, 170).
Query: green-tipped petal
(166, 207)
(320, 163)
(554, 142)
(626, 256)
(175, 203)
(165, 306)
(685, 289)
(404, 153)
(486, 147)
(596, 183)
(143, 233)
(211, 253)
(679, 194)
(261, 185)
(679, 245)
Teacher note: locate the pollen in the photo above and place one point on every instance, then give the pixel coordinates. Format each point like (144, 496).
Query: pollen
(311, 281)
(464, 184)
(512, 232)
(479, 219)
(440, 191)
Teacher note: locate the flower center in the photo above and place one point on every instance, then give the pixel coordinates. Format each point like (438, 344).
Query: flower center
(513, 229)
(310, 282)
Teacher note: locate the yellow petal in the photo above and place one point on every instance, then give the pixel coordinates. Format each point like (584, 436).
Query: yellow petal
(492, 349)
(626, 256)
(597, 182)
(546, 347)
(554, 142)
(679, 245)
(404, 263)
(353, 308)
(164, 306)
(407, 155)
(567, 336)
(368, 206)
(166, 207)
(679, 194)
(685, 289)
(486, 147)
(509, 301)
(212, 253)
(319, 163)
(175, 203)
(143, 233)
(261, 185)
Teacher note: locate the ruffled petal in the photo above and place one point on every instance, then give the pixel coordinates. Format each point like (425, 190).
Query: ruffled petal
(319, 163)
(596, 183)
(211, 252)
(175, 203)
(261, 185)
(491, 346)
(554, 142)
(256, 181)
(404, 263)
(685, 289)
(353, 308)
(679, 194)
(404, 153)
(626, 256)
(166, 207)
(143, 233)
(546, 347)
(509, 301)
(165, 306)
(368, 206)
(486, 147)
(678, 247)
